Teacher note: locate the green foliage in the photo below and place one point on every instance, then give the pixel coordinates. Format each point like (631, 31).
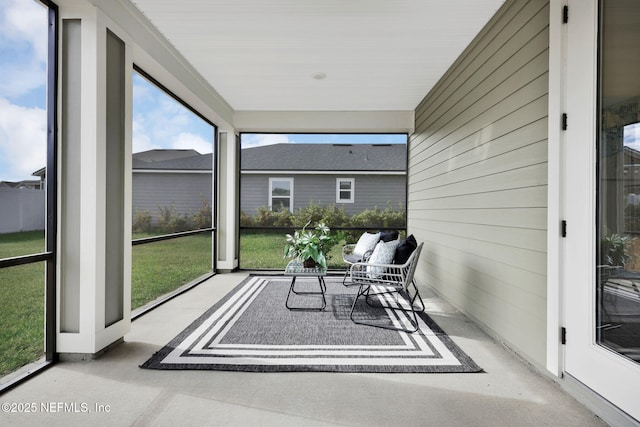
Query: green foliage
(311, 213)
(331, 215)
(335, 216)
(613, 249)
(264, 217)
(171, 221)
(378, 218)
(142, 221)
(246, 220)
(309, 244)
(202, 217)
(268, 218)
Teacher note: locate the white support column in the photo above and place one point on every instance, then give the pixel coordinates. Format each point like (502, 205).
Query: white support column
(555, 195)
(84, 307)
(228, 200)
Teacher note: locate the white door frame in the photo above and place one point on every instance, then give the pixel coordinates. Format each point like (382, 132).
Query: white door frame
(614, 377)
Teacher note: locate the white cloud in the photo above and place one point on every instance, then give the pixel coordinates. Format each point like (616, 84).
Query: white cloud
(632, 135)
(259, 139)
(25, 21)
(23, 143)
(23, 45)
(141, 141)
(160, 122)
(186, 140)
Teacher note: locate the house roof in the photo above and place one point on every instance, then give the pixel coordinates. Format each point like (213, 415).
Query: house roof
(290, 157)
(159, 155)
(326, 157)
(172, 160)
(21, 184)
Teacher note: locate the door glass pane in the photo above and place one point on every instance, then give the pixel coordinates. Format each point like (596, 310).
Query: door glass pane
(618, 263)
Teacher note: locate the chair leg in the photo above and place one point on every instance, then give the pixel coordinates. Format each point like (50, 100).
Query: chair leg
(344, 279)
(365, 290)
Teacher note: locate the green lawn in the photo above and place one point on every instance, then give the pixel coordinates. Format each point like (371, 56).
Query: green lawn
(161, 267)
(157, 269)
(261, 249)
(21, 302)
(18, 244)
(22, 314)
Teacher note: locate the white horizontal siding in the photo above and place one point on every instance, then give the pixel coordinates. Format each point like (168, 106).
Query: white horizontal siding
(477, 178)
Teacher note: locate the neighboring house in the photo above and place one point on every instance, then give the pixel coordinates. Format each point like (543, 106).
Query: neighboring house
(631, 173)
(166, 178)
(30, 184)
(351, 176)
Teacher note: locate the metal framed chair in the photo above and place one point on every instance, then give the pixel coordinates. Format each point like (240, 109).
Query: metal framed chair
(350, 258)
(389, 286)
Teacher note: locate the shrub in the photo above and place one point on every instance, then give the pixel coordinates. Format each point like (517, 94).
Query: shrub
(331, 215)
(245, 219)
(377, 218)
(142, 221)
(202, 217)
(264, 217)
(268, 218)
(335, 216)
(311, 213)
(169, 221)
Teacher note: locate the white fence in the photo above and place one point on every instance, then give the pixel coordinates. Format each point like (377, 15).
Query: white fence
(21, 210)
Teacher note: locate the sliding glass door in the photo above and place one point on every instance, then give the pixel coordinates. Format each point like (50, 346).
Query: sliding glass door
(602, 166)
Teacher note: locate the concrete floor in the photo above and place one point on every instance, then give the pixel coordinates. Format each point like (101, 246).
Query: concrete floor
(114, 391)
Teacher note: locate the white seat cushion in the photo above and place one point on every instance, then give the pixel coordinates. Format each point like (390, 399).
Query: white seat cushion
(382, 254)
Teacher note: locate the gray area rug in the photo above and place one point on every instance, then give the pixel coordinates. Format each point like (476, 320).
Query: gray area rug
(250, 329)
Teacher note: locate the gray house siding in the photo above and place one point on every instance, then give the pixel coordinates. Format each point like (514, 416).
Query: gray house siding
(370, 191)
(477, 184)
(185, 191)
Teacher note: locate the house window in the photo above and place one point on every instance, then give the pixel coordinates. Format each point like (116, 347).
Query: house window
(345, 189)
(281, 194)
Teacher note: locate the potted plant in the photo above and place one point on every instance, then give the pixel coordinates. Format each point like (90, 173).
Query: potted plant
(309, 246)
(613, 249)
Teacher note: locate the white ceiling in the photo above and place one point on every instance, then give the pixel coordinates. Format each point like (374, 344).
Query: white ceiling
(377, 55)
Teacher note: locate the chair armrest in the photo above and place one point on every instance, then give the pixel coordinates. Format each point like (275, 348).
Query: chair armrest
(366, 273)
(378, 274)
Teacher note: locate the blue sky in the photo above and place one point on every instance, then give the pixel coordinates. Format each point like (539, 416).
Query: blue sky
(631, 136)
(23, 51)
(158, 120)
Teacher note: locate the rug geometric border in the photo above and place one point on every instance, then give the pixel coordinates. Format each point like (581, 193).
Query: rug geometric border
(204, 344)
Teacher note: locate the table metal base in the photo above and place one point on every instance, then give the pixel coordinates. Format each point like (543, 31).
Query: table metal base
(323, 289)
